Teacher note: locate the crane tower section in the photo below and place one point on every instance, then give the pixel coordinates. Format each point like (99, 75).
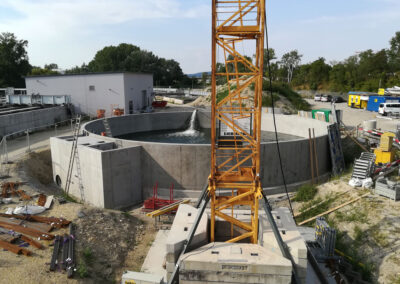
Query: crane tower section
(236, 113)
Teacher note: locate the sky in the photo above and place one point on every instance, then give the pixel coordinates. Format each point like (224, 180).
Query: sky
(70, 32)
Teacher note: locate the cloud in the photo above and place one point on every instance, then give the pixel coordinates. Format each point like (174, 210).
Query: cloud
(69, 31)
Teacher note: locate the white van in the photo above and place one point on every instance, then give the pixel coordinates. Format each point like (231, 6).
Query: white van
(389, 109)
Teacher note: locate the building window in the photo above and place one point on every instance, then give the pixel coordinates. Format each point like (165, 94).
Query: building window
(91, 88)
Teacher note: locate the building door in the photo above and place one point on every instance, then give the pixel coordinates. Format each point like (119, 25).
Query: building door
(130, 107)
(144, 99)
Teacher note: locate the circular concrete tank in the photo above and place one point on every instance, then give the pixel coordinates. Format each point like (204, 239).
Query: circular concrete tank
(187, 166)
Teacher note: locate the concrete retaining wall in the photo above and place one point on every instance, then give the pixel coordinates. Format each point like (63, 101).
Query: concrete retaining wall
(187, 166)
(20, 121)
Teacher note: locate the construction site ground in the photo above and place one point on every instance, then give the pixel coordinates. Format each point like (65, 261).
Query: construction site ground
(107, 241)
(368, 230)
(354, 116)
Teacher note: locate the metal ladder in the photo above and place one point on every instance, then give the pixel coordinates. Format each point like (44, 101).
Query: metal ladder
(74, 155)
(107, 127)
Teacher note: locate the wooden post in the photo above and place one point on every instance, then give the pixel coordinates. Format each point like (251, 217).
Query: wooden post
(311, 156)
(315, 155)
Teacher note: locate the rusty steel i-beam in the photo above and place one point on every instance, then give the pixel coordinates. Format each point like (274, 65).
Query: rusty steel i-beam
(236, 118)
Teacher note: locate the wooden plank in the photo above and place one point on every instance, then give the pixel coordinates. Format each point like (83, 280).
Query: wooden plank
(27, 231)
(8, 238)
(167, 208)
(333, 209)
(15, 249)
(27, 224)
(32, 242)
(53, 221)
(315, 205)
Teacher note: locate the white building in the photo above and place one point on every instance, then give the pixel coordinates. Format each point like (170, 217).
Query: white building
(89, 92)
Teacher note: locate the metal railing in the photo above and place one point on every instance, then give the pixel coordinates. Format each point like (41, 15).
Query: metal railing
(60, 127)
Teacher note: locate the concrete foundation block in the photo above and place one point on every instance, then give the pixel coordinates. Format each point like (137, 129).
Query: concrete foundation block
(289, 233)
(183, 222)
(172, 257)
(170, 266)
(234, 263)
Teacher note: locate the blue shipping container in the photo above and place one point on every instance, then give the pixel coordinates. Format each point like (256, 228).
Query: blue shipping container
(375, 101)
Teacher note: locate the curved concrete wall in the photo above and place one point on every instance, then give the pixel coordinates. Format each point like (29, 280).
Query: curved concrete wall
(187, 166)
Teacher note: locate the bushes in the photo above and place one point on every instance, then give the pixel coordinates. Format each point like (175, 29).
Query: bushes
(284, 90)
(305, 193)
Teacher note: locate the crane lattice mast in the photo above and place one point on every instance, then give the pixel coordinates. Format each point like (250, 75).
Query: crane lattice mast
(236, 118)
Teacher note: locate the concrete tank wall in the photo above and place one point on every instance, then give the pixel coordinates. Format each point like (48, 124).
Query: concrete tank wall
(20, 121)
(111, 177)
(187, 166)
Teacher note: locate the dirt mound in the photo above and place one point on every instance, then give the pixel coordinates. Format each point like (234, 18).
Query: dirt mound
(104, 237)
(38, 165)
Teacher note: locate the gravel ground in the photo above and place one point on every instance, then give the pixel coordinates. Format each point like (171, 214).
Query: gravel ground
(107, 241)
(353, 117)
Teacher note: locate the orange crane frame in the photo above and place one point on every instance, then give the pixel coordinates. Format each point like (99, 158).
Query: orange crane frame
(235, 159)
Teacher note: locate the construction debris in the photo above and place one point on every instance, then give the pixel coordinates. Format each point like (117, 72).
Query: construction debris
(10, 189)
(53, 221)
(29, 210)
(49, 201)
(386, 187)
(15, 249)
(42, 200)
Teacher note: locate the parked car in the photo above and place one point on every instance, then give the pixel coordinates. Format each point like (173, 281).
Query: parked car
(338, 99)
(326, 98)
(389, 109)
(317, 97)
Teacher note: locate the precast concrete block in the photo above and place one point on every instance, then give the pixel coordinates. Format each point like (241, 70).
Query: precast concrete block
(172, 257)
(289, 233)
(170, 266)
(234, 263)
(184, 219)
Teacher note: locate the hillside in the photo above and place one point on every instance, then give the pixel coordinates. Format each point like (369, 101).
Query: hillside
(284, 97)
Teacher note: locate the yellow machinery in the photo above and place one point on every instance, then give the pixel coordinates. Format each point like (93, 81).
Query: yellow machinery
(236, 119)
(385, 154)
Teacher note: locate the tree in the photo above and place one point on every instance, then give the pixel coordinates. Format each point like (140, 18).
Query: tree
(14, 63)
(42, 71)
(290, 61)
(51, 66)
(128, 57)
(318, 73)
(394, 52)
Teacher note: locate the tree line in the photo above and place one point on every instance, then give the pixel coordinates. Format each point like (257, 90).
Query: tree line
(365, 71)
(14, 64)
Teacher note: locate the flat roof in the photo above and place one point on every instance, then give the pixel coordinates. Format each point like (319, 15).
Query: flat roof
(88, 74)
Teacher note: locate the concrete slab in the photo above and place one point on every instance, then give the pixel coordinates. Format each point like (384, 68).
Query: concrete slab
(184, 219)
(289, 233)
(154, 260)
(141, 278)
(234, 263)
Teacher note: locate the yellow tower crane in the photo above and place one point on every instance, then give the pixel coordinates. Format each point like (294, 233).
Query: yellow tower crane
(236, 118)
(236, 126)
